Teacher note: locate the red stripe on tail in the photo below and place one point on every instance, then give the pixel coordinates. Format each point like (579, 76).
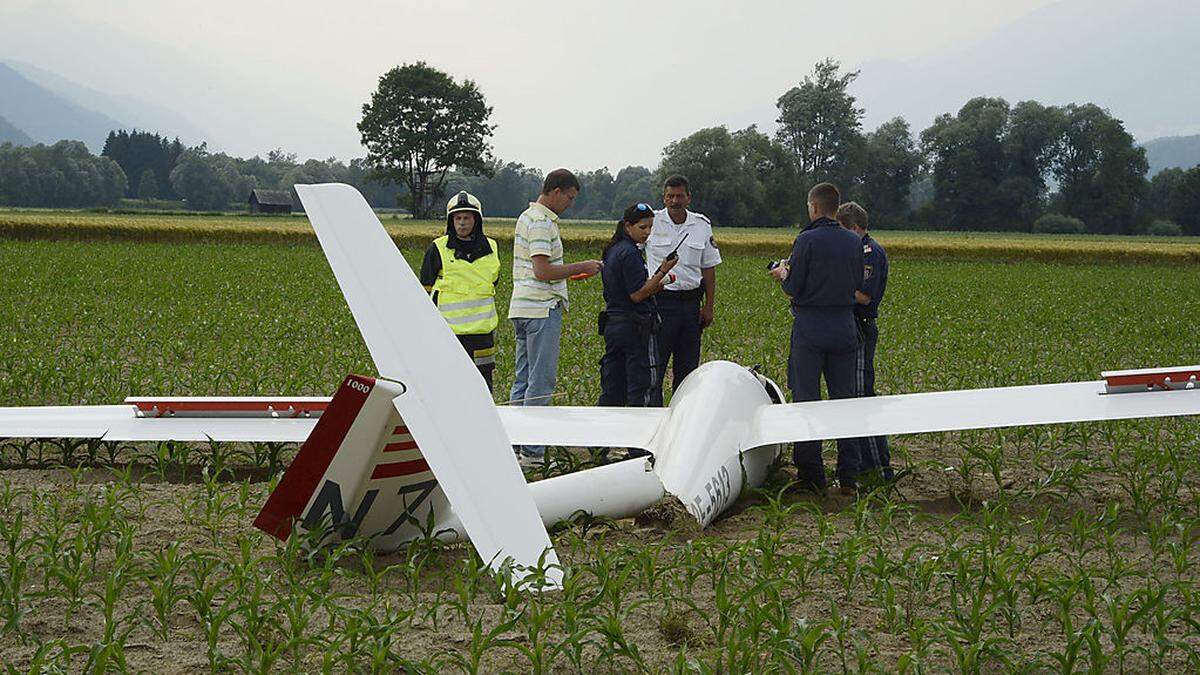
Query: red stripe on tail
(399, 469)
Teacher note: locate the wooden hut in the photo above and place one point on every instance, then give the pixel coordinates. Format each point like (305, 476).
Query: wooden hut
(270, 201)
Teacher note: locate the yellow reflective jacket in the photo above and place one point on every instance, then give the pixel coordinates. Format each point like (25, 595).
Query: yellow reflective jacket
(466, 291)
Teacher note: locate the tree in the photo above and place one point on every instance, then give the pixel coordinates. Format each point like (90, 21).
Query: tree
(1101, 173)
(65, 174)
(137, 151)
(147, 185)
(419, 125)
(990, 162)
(1185, 201)
(1160, 194)
(1031, 142)
(819, 124)
(966, 153)
(597, 193)
(890, 164)
(634, 184)
(210, 182)
(778, 198)
(721, 188)
(505, 189)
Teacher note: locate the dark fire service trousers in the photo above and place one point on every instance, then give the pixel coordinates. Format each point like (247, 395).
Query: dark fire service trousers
(678, 338)
(875, 454)
(482, 350)
(824, 342)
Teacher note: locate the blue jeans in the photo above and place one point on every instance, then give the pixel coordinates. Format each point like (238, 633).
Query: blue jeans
(537, 363)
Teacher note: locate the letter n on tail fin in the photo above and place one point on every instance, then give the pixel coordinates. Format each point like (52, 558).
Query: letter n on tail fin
(360, 472)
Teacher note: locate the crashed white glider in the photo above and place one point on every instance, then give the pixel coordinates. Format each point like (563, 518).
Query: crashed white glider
(390, 457)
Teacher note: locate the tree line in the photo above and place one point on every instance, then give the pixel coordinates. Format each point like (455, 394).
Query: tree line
(143, 166)
(991, 165)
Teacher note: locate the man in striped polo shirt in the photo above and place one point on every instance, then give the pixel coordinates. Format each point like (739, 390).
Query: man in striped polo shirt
(539, 297)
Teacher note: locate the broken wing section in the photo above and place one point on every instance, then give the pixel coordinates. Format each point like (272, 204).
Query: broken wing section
(961, 410)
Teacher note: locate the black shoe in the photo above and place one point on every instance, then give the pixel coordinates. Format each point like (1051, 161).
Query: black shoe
(802, 485)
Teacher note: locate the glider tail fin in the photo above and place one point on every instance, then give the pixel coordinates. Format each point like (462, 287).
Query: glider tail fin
(360, 473)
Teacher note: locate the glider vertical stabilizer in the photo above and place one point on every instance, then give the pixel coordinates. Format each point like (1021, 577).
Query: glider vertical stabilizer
(360, 473)
(447, 405)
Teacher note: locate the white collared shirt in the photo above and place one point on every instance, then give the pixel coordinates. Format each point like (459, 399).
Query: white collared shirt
(698, 252)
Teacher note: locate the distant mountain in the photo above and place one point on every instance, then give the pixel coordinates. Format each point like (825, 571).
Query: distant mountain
(1172, 152)
(135, 111)
(11, 134)
(1138, 59)
(239, 114)
(48, 117)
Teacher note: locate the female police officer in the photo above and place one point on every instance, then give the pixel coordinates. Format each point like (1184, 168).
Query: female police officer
(460, 270)
(628, 370)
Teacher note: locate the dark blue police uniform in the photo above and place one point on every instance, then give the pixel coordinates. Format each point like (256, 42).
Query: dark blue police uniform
(874, 450)
(628, 369)
(826, 268)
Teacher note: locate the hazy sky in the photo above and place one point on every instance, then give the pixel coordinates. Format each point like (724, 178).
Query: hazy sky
(572, 83)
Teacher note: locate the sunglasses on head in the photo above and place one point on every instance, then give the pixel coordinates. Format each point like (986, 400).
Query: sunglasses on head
(643, 206)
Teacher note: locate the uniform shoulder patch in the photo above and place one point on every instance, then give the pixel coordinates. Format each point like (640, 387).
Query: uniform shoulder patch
(712, 241)
(867, 248)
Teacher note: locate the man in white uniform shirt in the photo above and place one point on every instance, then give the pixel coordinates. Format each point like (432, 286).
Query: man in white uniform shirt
(686, 306)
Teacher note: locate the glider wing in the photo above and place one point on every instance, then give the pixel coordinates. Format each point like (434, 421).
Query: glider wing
(961, 410)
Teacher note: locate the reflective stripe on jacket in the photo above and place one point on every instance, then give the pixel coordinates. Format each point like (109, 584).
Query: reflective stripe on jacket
(465, 291)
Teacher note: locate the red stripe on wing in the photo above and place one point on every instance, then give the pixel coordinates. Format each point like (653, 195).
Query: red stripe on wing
(397, 447)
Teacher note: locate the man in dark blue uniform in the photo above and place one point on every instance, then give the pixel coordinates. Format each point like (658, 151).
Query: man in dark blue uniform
(873, 450)
(821, 277)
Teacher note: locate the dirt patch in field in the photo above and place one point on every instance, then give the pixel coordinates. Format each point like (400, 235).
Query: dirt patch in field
(901, 575)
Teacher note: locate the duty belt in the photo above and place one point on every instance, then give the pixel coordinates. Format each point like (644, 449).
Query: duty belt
(680, 296)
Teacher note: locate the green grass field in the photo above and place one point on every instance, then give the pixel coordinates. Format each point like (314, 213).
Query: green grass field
(583, 236)
(1053, 549)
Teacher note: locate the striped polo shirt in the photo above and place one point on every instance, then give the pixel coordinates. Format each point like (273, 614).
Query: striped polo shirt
(537, 234)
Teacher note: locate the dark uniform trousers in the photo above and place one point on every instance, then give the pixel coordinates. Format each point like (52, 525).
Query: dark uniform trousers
(824, 342)
(678, 337)
(628, 368)
(482, 350)
(874, 450)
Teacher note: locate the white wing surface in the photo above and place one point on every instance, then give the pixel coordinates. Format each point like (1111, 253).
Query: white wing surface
(447, 402)
(121, 423)
(559, 425)
(960, 410)
(582, 426)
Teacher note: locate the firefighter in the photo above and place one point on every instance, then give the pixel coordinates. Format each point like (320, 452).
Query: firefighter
(460, 271)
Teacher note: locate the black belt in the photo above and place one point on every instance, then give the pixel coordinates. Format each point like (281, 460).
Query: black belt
(680, 296)
(620, 316)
